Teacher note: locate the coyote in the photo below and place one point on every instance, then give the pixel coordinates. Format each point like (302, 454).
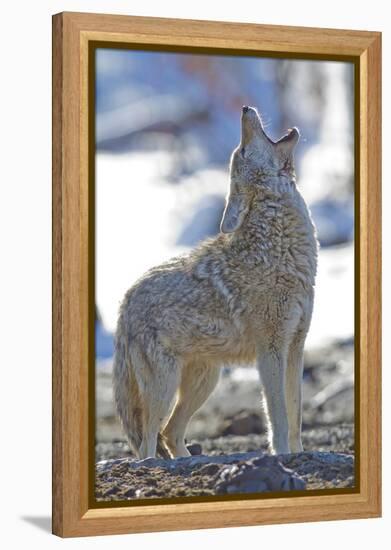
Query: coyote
(244, 296)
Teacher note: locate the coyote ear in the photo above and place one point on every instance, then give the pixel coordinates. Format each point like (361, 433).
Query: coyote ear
(288, 142)
(234, 213)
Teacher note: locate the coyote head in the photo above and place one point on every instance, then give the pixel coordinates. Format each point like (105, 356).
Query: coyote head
(256, 163)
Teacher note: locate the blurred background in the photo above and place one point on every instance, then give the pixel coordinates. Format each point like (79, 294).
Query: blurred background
(166, 125)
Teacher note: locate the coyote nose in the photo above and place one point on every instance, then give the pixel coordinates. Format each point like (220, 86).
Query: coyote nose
(245, 108)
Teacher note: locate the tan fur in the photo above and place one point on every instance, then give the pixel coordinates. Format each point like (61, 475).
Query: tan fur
(245, 295)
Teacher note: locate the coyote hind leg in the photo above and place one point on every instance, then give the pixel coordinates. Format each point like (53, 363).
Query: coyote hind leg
(197, 383)
(158, 382)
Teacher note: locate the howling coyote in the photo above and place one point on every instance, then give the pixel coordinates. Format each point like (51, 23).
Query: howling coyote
(243, 296)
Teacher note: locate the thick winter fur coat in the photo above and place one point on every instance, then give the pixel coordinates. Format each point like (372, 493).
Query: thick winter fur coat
(243, 296)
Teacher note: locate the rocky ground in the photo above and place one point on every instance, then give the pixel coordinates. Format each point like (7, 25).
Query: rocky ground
(224, 469)
(229, 434)
(253, 472)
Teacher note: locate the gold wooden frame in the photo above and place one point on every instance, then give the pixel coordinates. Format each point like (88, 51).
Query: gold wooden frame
(72, 34)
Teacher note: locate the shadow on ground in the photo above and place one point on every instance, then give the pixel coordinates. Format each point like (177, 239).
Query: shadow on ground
(44, 523)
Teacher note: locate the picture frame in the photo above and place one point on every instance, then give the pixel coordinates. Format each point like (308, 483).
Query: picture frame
(75, 35)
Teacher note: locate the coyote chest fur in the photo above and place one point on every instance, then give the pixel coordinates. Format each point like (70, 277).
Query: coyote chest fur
(245, 295)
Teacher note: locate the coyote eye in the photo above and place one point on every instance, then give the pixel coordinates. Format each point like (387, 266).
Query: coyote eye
(242, 151)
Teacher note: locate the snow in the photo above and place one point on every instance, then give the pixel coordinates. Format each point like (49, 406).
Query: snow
(333, 315)
(132, 225)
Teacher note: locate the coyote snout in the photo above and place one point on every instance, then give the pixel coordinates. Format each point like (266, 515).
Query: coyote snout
(245, 295)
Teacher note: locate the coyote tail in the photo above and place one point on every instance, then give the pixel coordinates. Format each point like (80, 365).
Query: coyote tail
(126, 395)
(128, 401)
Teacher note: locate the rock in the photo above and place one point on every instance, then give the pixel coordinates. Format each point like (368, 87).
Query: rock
(258, 475)
(194, 449)
(242, 424)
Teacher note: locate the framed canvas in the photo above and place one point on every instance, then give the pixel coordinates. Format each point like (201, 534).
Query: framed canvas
(147, 114)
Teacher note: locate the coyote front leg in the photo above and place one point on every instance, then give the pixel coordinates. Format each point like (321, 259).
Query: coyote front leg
(272, 369)
(294, 382)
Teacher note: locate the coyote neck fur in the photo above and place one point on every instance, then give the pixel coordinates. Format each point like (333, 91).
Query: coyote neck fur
(277, 234)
